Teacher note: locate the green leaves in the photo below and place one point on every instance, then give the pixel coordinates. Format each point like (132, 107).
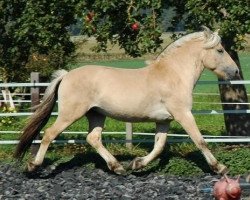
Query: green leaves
(29, 26)
(113, 21)
(232, 17)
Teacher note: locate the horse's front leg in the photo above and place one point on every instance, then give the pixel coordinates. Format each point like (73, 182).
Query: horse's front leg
(160, 141)
(186, 119)
(96, 123)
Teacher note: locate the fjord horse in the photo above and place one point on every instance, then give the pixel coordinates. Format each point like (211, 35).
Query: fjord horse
(160, 92)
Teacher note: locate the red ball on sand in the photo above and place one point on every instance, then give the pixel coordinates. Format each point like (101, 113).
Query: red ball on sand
(227, 189)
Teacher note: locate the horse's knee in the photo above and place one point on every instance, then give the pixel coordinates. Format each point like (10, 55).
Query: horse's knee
(49, 135)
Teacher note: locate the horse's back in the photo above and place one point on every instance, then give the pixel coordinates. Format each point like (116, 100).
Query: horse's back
(104, 81)
(107, 76)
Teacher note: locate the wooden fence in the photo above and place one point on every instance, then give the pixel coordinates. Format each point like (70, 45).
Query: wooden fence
(35, 95)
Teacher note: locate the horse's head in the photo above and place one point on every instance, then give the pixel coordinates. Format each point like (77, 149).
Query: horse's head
(216, 58)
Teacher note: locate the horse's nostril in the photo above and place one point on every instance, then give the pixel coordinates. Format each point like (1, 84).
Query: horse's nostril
(237, 74)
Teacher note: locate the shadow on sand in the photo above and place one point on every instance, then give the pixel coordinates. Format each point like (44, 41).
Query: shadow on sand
(92, 161)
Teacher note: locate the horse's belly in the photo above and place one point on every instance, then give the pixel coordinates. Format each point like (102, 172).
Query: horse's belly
(156, 113)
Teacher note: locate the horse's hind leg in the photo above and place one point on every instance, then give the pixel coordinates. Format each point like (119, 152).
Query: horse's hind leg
(96, 123)
(63, 120)
(160, 141)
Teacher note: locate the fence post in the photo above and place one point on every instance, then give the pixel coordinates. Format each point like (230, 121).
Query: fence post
(129, 135)
(35, 100)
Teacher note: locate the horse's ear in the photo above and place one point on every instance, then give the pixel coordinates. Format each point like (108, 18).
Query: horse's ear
(207, 31)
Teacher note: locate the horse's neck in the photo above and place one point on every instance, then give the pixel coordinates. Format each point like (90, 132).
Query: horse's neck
(187, 65)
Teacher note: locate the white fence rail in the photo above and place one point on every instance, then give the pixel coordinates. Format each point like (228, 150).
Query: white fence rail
(173, 138)
(128, 132)
(37, 84)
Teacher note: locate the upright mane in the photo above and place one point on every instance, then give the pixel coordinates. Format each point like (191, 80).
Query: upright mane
(211, 39)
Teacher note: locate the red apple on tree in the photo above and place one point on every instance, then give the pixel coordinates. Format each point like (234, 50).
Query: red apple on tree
(89, 16)
(135, 26)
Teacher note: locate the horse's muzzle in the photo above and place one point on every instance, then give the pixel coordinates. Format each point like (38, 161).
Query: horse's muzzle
(233, 73)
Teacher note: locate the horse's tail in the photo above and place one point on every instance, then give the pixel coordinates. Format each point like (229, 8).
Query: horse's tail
(40, 117)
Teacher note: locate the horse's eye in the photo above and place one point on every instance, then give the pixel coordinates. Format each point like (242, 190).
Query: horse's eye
(220, 51)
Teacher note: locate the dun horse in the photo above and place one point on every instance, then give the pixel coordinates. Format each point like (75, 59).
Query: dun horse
(160, 92)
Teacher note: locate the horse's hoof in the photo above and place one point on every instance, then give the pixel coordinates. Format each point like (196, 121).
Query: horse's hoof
(222, 169)
(120, 171)
(136, 164)
(32, 167)
(117, 168)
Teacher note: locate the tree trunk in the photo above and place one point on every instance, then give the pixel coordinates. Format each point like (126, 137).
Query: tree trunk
(236, 124)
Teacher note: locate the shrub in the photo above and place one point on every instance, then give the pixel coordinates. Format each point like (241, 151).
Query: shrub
(7, 121)
(236, 159)
(45, 64)
(179, 166)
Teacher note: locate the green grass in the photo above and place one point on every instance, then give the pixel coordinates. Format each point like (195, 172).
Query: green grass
(176, 159)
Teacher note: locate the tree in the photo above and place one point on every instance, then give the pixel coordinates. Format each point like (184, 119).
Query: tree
(32, 28)
(134, 25)
(233, 19)
(28, 27)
